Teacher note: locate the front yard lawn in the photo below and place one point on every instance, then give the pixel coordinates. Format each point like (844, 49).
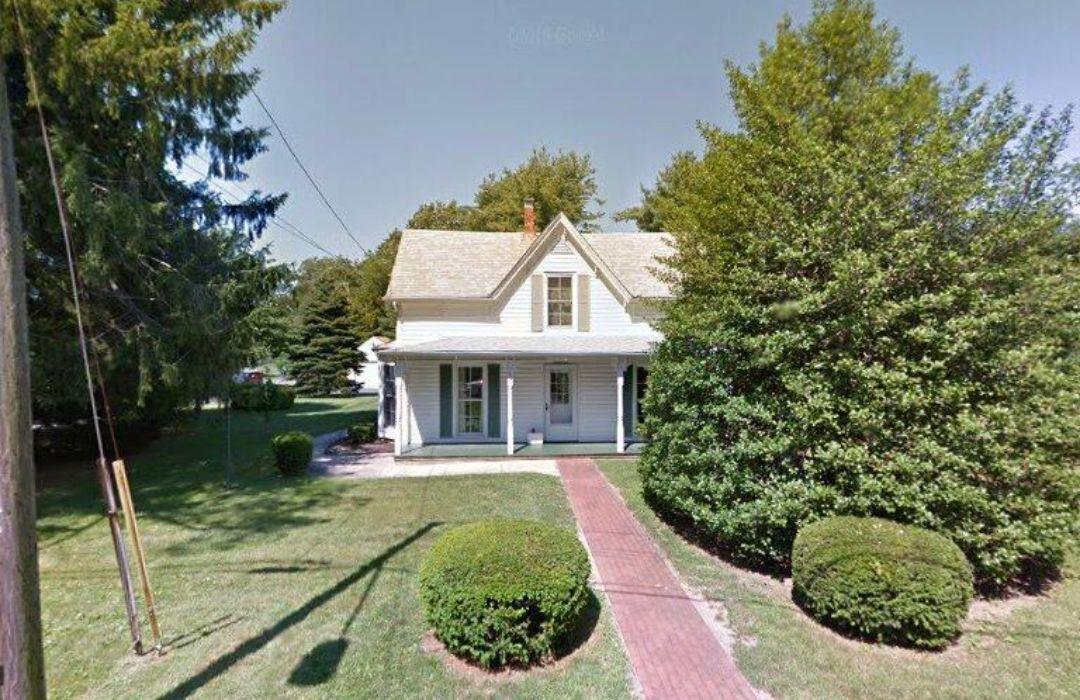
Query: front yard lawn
(277, 587)
(1024, 648)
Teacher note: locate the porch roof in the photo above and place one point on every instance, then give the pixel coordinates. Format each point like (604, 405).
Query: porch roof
(547, 345)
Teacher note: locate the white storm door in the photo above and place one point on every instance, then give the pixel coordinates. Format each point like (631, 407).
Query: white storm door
(560, 401)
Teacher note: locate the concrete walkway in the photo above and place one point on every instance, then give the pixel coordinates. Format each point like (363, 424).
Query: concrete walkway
(672, 640)
(381, 465)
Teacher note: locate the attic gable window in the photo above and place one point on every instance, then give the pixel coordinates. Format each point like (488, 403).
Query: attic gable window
(560, 301)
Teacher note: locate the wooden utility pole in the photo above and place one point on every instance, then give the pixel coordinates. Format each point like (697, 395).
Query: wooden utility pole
(22, 669)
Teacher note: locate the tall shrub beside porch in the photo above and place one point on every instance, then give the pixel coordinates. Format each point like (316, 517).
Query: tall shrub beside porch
(876, 308)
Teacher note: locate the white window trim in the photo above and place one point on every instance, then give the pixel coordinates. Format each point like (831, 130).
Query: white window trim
(573, 302)
(483, 400)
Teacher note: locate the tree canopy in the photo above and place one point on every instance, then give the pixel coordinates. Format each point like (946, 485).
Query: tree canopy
(133, 90)
(876, 307)
(560, 182)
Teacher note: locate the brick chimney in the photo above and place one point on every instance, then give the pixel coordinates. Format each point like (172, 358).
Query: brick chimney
(529, 217)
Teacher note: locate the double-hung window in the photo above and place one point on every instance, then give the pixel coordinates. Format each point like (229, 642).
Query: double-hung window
(470, 399)
(560, 301)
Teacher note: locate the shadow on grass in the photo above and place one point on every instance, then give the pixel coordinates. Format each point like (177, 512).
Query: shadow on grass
(254, 644)
(320, 664)
(188, 638)
(179, 479)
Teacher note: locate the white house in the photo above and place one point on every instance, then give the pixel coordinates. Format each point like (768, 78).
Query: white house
(367, 373)
(512, 338)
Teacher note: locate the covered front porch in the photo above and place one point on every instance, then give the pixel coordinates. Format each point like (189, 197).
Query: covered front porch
(518, 397)
(484, 450)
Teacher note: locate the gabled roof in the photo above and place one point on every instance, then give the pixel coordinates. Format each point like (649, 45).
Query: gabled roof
(453, 264)
(634, 259)
(481, 265)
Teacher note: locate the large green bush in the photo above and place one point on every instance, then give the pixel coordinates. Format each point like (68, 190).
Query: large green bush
(262, 397)
(292, 452)
(883, 581)
(502, 592)
(875, 309)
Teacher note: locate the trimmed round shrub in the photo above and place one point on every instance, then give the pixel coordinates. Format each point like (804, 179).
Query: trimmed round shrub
(262, 397)
(505, 592)
(292, 452)
(363, 433)
(882, 581)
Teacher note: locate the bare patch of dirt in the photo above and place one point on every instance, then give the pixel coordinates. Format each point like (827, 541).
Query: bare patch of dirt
(997, 610)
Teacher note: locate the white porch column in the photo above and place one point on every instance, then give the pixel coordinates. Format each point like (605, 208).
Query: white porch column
(401, 430)
(510, 408)
(620, 433)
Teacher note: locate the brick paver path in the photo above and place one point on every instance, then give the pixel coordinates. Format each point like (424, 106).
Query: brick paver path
(674, 652)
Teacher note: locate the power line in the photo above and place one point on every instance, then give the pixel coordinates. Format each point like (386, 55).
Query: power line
(307, 174)
(286, 226)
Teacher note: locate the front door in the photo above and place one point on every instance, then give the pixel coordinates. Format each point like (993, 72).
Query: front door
(560, 397)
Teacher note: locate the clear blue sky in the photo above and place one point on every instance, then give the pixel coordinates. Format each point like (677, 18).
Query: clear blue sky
(391, 104)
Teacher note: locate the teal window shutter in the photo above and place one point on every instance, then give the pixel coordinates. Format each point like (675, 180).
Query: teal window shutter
(446, 401)
(628, 401)
(493, 400)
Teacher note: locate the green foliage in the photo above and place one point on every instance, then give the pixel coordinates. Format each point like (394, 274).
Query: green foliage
(292, 452)
(503, 592)
(876, 308)
(130, 90)
(369, 312)
(261, 397)
(559, 182)
(883, 581)
(363, 433)
(327, 347)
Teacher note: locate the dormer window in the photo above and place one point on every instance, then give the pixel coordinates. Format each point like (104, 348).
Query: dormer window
(560, 301)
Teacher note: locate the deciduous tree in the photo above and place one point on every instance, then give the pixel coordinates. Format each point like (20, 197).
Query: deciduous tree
(876, 307)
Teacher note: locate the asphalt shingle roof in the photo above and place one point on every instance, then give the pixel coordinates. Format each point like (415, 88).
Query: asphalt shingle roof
(471, 264)
(633, 259)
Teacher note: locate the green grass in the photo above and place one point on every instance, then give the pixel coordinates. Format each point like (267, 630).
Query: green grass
(276, 587)
(1025, 648)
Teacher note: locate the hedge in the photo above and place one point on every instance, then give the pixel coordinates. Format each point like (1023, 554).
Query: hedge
(363, 433)
(502, 592)
(292, 452)
(882, 581)
(262, 397)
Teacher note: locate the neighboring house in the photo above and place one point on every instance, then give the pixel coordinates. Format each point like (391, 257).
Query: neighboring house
(518, 337)
(367, 374)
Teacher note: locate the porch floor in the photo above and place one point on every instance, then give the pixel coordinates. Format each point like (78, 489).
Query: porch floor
(521, 449)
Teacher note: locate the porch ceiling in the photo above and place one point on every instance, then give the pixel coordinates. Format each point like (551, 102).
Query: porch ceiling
(545, 345)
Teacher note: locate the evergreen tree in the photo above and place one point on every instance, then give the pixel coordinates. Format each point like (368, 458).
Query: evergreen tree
(327, 347)
(876, 308)
(132, 91)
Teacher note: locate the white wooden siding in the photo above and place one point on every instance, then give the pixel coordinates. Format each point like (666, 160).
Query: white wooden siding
(595, 401)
